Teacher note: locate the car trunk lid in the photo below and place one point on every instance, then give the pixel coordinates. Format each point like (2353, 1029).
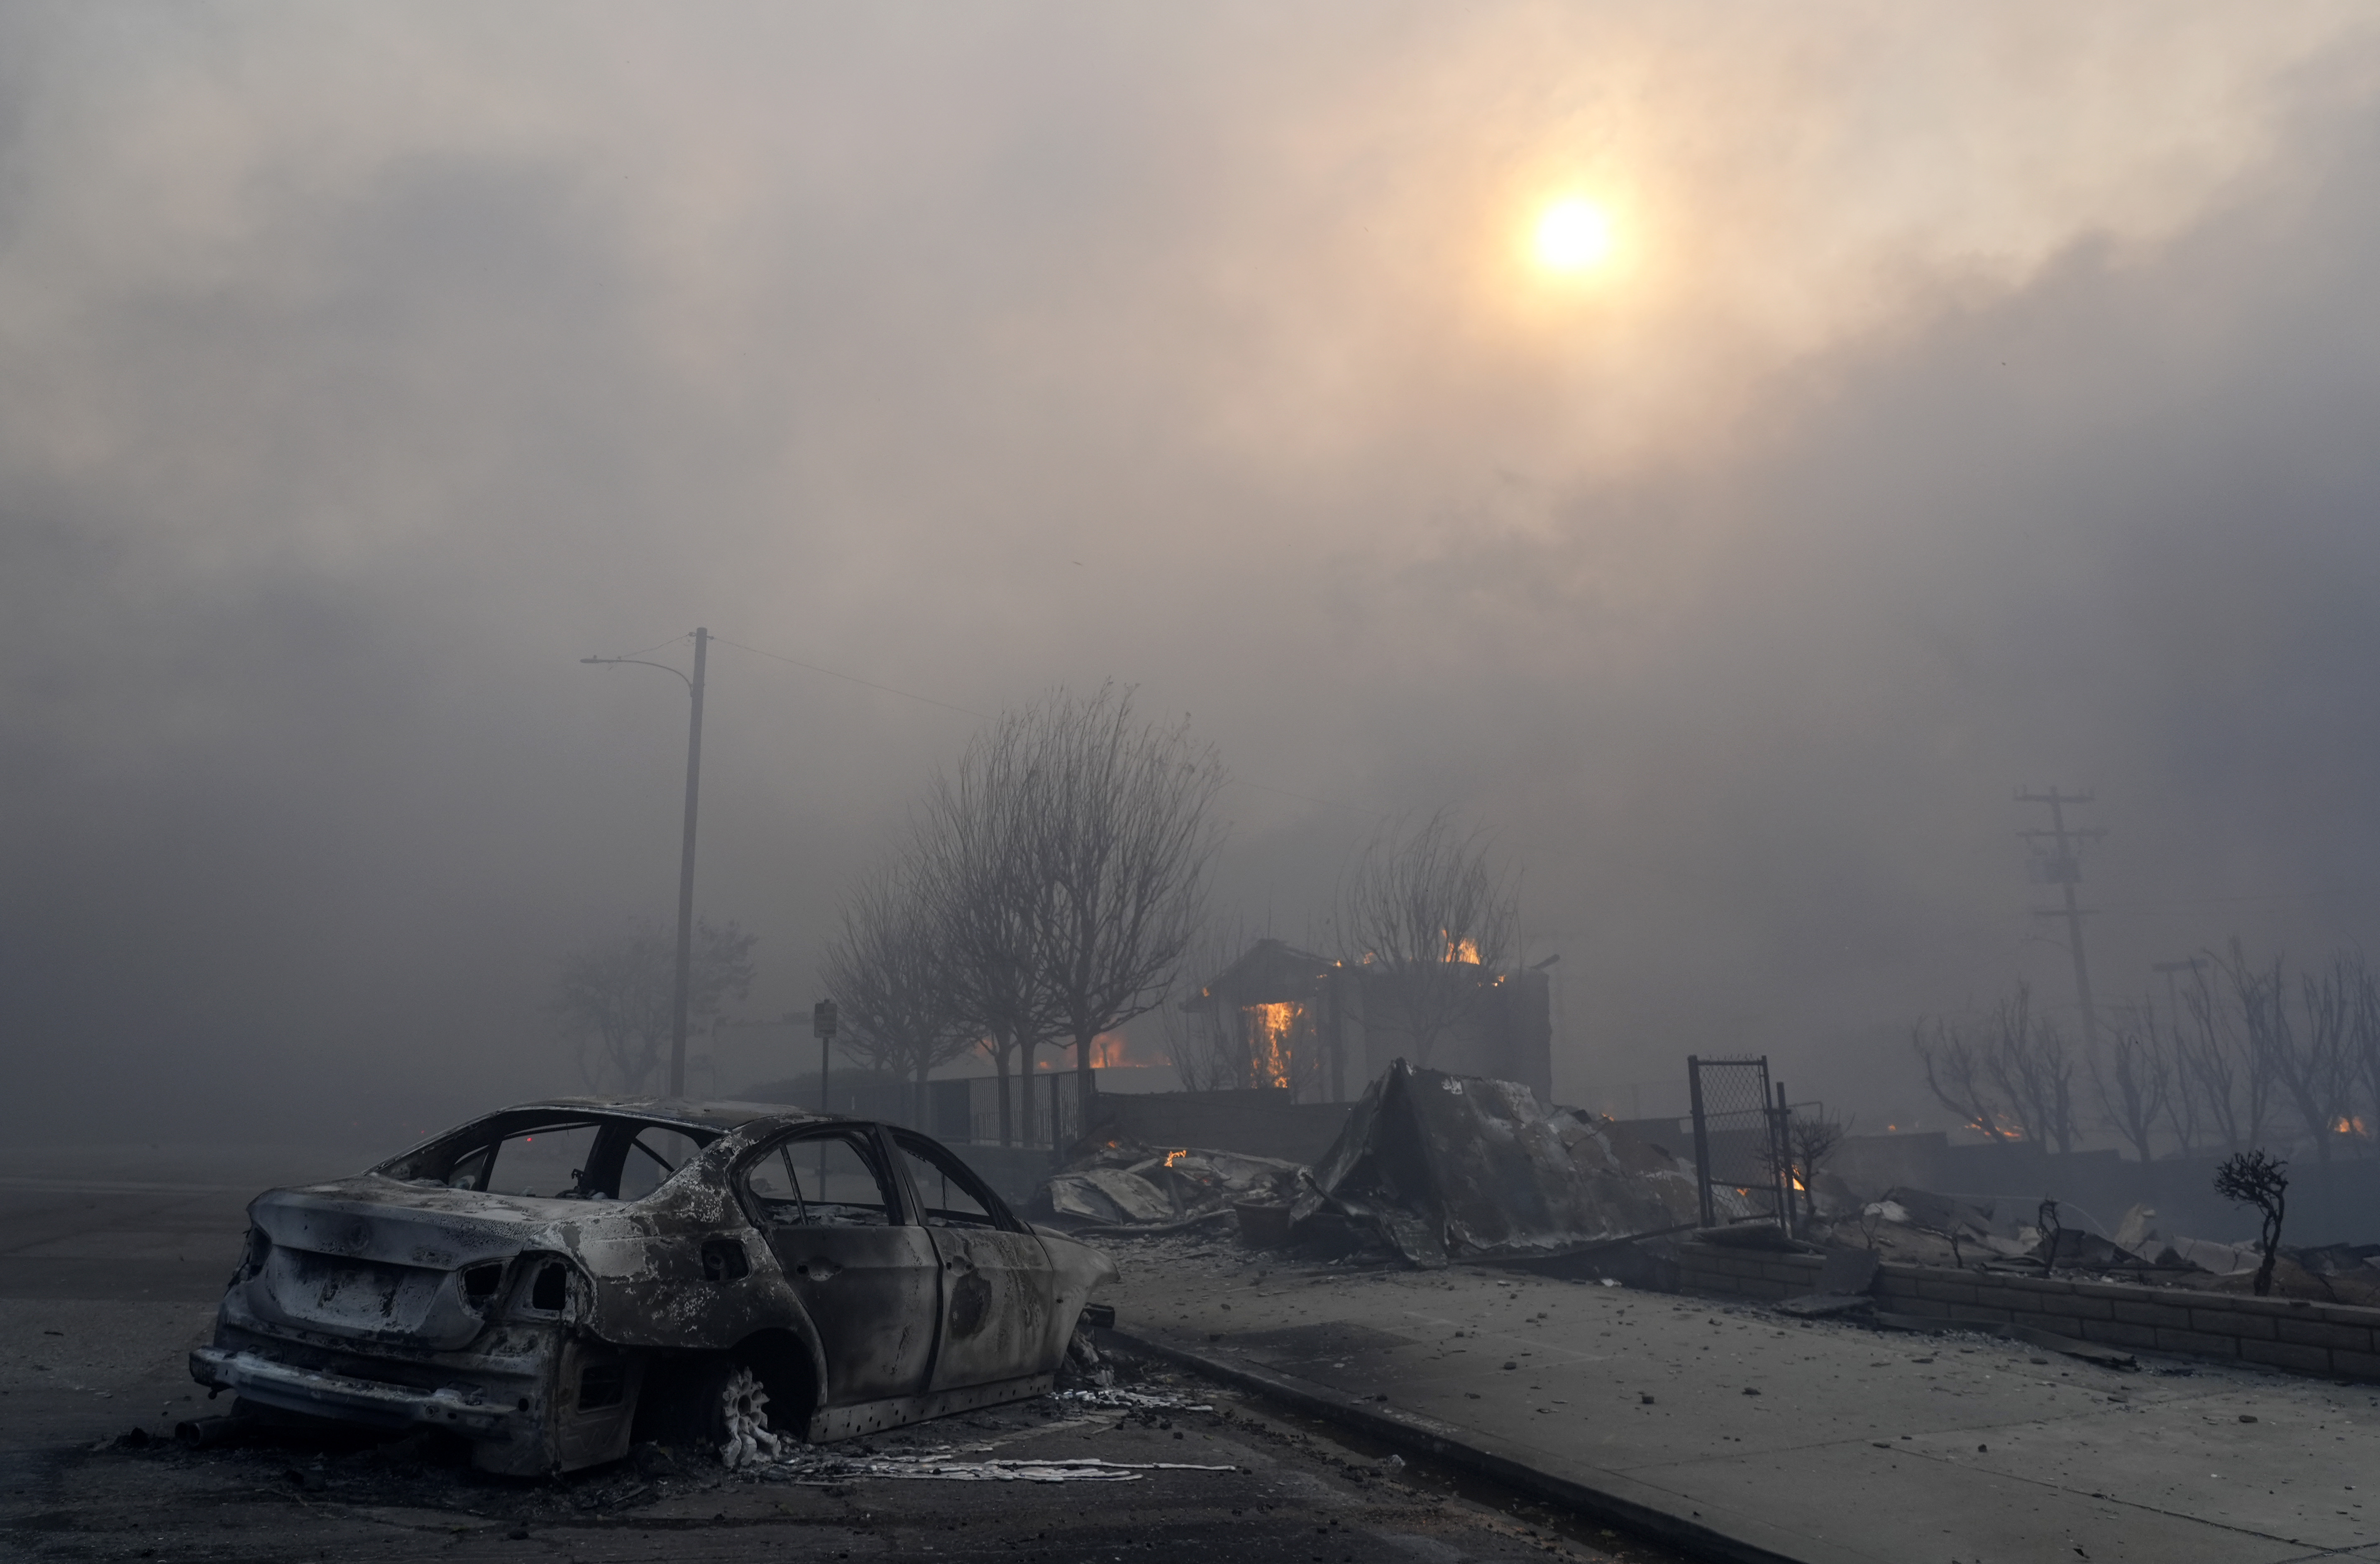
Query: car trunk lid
(347, 1259)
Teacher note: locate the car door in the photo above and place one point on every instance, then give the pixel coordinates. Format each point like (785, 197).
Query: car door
(868, 1277)
(998, 1284)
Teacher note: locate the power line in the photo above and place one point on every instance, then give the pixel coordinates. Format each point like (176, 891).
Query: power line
(655, 646)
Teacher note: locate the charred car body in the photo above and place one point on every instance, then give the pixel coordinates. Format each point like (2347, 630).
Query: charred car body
(555, 1279)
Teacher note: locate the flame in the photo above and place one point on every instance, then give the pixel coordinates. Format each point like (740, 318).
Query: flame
(1112, 1050)
(2348, 1127)
(1464, 951)
(1173, 1157)
(1268, 1039)
(2007, 1131)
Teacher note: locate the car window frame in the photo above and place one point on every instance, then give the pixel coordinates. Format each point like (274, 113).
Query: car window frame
(901, 1209)
(1002, 1218)
(615, 1132)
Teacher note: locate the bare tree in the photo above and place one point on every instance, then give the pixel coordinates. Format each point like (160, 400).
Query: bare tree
(2181, 1104)
(2230, 1087)
(1810, 1139)
(2136, 1083)
(1120, 817)
(2014, 1081)
(2252, 1178)
(1958, 1075)
(885, 969)
(973, 860)
(615, 996)
(2313, 1055)
(2364, 1044)
(1067, 857)
(1423, 908)
(2029, 1062)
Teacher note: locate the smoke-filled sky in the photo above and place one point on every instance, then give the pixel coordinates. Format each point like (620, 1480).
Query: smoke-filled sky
(1968, 398)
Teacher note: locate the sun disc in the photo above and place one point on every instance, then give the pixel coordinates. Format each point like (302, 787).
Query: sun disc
(1573, 236)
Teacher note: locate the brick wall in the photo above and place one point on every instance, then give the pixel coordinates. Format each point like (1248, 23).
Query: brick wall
(2335, 1340)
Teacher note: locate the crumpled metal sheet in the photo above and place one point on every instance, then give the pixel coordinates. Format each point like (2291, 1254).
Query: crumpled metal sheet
(1464, 1167)
(1125, 1185)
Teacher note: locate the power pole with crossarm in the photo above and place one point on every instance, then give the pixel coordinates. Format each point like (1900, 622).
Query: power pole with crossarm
(2061, 866)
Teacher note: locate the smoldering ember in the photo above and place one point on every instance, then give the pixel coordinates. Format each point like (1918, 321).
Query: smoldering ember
(1289, 784)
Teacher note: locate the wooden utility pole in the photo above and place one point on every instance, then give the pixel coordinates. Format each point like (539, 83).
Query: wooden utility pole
(2062, 866)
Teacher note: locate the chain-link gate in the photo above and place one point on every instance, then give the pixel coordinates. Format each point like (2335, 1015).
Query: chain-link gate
(1740, 1160)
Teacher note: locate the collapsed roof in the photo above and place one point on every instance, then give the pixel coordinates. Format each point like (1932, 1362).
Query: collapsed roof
(1450, 1168)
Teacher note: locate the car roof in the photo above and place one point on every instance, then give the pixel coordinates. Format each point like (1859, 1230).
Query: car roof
(694, 1112)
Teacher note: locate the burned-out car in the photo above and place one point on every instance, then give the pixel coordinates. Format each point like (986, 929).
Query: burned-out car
(556, 1279)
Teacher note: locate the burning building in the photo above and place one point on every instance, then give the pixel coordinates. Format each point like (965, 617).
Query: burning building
(1284, 1018)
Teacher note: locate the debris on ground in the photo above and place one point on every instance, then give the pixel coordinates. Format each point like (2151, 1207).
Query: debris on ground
(1441, 1167)
(2008, 1237)
(1121, 1185)
(1135, 1400)
(816, 1466)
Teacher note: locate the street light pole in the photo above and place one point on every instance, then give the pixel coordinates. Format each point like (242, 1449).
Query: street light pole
(682, 999)
(684, 995)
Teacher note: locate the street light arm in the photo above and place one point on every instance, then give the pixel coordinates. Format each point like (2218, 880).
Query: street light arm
(642, 663)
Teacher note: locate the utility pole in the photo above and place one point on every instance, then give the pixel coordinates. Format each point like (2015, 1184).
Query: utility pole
(2063, 868)
(684, 994)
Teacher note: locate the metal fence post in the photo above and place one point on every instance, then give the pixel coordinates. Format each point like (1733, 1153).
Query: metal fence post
(1701, 1139)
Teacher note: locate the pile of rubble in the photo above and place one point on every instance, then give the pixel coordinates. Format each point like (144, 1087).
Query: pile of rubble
(1431, 1168)
(1918, 1227)
(1122, 1186)
(1444, 1168)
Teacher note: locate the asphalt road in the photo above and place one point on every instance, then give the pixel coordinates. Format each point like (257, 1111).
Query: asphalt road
(109, 1265)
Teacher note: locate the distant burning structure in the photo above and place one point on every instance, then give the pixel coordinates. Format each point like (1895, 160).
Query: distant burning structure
(1285, 1018)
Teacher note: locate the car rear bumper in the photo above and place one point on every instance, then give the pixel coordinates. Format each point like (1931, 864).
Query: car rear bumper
(347, 1397)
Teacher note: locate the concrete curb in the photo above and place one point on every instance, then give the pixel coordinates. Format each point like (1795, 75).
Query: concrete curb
(1648, 1512)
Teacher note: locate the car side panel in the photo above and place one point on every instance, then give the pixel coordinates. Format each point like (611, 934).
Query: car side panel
(996, 1306)
(870, 1294)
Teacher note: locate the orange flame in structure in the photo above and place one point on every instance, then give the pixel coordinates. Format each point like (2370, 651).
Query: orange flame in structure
(1270, 1027)
(1110, 1051)
(1464, 951)
(1173, 1157)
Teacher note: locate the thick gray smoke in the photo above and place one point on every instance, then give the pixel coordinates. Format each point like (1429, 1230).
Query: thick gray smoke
(1936, 432)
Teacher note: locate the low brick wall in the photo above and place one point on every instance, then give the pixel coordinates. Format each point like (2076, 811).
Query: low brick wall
(1746, 1273)
(2336, 1340)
